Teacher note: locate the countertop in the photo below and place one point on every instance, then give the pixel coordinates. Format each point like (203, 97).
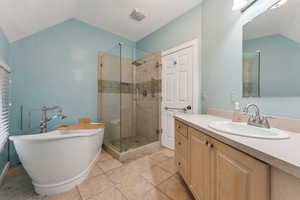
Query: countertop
(282, 154)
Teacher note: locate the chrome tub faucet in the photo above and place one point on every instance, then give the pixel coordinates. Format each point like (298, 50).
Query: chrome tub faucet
(45, 119)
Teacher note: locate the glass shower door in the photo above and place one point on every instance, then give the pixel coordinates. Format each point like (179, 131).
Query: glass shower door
(129, 97)
(147, 72)
(109, 95)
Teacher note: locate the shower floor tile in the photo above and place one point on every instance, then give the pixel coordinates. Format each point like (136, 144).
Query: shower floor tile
(151, 177)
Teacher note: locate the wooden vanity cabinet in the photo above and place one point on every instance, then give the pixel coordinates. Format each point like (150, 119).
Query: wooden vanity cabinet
(181, 149)
(236, 175)
(216, 171)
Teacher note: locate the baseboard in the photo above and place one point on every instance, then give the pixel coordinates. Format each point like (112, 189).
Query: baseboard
(3, 173)
(164, 147)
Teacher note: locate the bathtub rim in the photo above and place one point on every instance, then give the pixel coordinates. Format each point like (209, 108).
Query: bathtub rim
(56, 135)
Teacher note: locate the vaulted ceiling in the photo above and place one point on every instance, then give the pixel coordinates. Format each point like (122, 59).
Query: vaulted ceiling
(284, 20)
(19, 19)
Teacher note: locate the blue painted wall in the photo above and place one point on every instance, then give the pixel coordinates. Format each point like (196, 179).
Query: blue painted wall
(57, 66)
(221, 40)
(184, 28)
(4, 48)
(222, 60)
(280, 58)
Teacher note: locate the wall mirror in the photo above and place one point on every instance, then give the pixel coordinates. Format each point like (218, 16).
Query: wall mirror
(271, 52)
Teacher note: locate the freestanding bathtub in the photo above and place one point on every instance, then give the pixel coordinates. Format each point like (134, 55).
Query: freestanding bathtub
(57, 161)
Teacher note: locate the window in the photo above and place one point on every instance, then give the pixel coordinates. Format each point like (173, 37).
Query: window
(4, 105)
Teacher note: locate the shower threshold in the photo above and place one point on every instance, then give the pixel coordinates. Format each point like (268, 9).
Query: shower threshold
(134, 152)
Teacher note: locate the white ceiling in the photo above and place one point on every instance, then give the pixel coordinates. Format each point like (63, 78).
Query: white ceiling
(284, 20)
(19, 19)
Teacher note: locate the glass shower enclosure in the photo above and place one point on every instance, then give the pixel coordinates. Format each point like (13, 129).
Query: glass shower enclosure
(129, 97)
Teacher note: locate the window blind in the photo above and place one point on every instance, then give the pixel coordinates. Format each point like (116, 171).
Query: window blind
(4, 105)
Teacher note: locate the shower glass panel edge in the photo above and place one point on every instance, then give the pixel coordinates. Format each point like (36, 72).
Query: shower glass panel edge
(110, 96)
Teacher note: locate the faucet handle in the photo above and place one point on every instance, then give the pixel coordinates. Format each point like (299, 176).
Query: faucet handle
(265, 120)
(252, 118)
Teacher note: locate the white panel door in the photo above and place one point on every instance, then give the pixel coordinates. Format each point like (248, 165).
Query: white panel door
(177, 90)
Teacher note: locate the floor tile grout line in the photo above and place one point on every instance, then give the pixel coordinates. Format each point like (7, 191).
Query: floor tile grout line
(120, 192)
(157, 187)
(77, 188)
(165, 169)
(139, 173)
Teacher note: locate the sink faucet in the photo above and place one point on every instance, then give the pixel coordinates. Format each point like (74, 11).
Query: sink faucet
(257, 120)
(46, 119)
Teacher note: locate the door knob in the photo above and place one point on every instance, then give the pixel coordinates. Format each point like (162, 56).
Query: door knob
(189, 107)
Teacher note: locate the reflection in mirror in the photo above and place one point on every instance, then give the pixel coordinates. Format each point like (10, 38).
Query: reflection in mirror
(271, 53)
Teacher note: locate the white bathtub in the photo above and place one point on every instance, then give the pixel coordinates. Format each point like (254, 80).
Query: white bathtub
(57, 161)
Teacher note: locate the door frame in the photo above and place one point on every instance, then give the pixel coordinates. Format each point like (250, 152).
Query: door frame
(196, 69)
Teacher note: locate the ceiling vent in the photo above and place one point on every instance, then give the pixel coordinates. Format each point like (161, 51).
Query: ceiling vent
(137, 15)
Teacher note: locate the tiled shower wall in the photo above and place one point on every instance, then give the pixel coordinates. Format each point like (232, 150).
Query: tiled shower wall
(129, 107)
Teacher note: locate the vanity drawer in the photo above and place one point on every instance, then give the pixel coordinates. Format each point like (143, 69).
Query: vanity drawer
(181, 128)
(181, 166)
(180, 145)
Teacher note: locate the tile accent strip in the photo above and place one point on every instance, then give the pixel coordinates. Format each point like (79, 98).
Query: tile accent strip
(114, 87)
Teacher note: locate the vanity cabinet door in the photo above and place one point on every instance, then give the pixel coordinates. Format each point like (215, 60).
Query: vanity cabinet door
(199, 164)
(237, 176)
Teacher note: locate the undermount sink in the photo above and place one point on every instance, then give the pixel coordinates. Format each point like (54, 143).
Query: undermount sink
(242, 129)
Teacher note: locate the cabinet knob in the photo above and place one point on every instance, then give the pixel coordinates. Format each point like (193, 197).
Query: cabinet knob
(210, 145)
(179, 163)
(179, 143)
(206, 143)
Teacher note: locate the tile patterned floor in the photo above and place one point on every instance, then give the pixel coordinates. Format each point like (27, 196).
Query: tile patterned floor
(153, 177)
